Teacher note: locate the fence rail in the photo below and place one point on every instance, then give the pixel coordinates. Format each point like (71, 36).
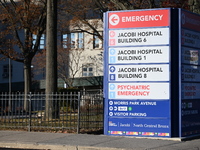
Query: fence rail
(77, 112)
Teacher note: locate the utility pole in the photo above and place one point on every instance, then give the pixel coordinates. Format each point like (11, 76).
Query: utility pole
(51, 59)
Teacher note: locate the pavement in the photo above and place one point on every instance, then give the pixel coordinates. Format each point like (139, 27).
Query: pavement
(66, 141)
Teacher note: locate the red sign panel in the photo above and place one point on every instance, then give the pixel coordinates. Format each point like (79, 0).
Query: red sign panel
(133, 19)
(190, 20)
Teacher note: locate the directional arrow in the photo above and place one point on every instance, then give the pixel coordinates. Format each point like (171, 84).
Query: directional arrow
(114, 19)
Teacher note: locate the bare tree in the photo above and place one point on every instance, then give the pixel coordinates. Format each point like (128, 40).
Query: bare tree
(21, 20)
(68, 64)
(194, 6)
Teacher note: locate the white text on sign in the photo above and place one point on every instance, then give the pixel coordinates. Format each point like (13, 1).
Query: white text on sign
(142, 18)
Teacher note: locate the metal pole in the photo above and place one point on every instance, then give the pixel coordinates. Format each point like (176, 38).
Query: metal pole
(10, 80)
(29, 108)
(10, 77)
(78, 118)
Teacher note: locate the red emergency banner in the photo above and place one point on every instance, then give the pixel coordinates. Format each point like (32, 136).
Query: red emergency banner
(132, 19)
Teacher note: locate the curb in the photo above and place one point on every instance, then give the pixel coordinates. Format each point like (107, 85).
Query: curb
(53, 147)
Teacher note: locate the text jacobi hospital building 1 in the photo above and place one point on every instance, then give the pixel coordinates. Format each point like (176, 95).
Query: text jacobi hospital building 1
(152, 73)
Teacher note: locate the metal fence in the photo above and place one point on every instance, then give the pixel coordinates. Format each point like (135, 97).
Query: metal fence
(63, 112)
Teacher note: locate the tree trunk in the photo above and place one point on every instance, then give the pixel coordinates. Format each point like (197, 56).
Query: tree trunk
(51, 59)
(27, 82)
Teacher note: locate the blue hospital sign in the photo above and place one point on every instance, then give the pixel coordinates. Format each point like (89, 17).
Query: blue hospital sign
(137, 73)
(152, 73)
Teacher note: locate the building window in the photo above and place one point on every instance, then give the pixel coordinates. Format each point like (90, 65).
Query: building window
(42, 41)
(87, 70)
(6, 71)
(97, 43)
(65, 40)
(73, 40)
(80, 40)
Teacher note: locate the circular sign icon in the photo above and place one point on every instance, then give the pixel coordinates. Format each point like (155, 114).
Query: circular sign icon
(110, 108)
(112, 69)
(110, 113)
(112, 33)
(111, 102)
(112, 51)
(112, 86)
(114, 19)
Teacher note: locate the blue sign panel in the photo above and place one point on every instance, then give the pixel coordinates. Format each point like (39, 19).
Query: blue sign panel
(190, 74)
(138, 108)
(137, 73)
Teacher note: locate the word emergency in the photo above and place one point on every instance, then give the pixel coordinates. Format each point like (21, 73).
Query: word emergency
(142, 18)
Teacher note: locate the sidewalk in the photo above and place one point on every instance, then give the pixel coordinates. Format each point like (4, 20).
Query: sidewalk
(62, 141)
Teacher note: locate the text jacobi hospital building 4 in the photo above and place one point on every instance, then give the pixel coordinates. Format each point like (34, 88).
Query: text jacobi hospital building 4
(151, 79)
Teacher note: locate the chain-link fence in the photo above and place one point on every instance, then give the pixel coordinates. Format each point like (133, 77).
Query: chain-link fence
(72, 112)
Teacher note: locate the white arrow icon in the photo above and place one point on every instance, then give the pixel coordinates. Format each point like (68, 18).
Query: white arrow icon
(114, 19)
